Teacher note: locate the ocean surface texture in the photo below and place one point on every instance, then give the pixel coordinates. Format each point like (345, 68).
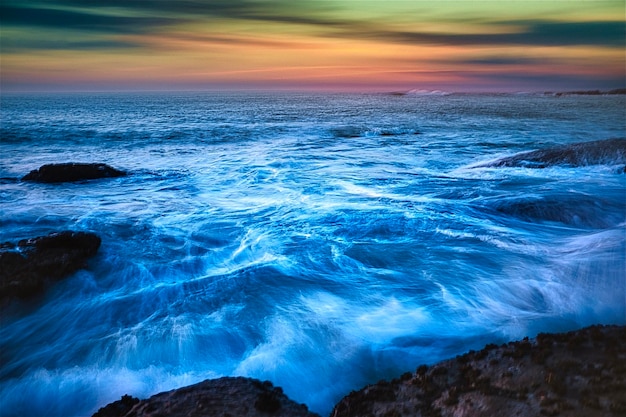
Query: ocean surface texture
(322, 242)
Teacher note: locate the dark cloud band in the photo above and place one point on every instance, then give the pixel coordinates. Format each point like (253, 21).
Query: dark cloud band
(538, 33)
(74, 20)
(154, 16)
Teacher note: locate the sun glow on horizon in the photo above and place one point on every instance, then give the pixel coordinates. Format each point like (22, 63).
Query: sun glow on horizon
(337, 45)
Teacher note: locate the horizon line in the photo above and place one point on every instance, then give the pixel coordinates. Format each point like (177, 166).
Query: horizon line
(401, 92)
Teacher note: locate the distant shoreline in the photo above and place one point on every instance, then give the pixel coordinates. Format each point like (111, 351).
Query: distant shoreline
(590, 92)
(418, 92)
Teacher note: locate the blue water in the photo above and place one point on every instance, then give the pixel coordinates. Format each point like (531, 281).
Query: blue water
(322, 242)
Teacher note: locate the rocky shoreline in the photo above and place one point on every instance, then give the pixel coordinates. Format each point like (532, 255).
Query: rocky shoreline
(228, 396)
(579, 373)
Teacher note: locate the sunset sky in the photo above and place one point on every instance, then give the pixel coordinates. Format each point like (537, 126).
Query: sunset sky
(344, 45)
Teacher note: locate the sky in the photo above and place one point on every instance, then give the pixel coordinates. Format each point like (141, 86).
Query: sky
(321, 45)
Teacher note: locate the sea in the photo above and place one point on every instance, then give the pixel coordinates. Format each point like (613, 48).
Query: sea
(319, 241)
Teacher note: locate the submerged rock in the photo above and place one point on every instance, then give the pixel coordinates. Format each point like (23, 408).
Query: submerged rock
(580, 373)
(28, 266)
(228, 396)
(71, 171)
(571, 209)
(609, 151)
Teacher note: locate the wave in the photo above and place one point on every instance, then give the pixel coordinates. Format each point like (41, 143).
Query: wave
(599, 152)
(346, 132)
(421, 92)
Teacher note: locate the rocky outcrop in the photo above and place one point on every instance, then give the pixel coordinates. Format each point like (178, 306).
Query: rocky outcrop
(581, 373)
(27, 267)
(577, 374)
(118, 408)
(70, 172)
(609, 151)
(235, 397)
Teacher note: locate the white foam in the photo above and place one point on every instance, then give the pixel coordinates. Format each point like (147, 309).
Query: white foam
(80, 391)
(422, 92)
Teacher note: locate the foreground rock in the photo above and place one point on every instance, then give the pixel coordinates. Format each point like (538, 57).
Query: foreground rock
(609, 151)
(235, 397)
(577, 374)
(69, 172)
(581, 373)
(27, 267)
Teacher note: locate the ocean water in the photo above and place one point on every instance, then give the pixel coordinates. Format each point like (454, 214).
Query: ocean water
(322, 242)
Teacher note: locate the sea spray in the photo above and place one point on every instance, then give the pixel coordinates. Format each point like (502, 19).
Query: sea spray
(320, 241)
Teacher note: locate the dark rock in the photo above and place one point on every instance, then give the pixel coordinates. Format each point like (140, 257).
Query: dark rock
(591, 92)
(267, 401)
(241, 397)
(609, 151)
(26, 268)
(581, 373)
(574, 209)
(71, 171)
(117, 408)
(581, 93)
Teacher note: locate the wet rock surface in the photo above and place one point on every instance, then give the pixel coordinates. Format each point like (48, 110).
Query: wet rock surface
(228, 396)
(27, 267)
(609, 151)
(576, 374)
(118, 408)
(72, 171)
(580, 373)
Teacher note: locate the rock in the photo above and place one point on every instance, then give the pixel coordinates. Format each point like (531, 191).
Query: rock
(26, 268)
(573, 209)
(69, 172)
(581, 93)
(591, 92)
(228, 396)
(609, 151)
(580, 373)
(118, 408)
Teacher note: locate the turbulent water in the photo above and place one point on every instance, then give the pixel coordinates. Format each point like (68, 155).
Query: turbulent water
(322, 242)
